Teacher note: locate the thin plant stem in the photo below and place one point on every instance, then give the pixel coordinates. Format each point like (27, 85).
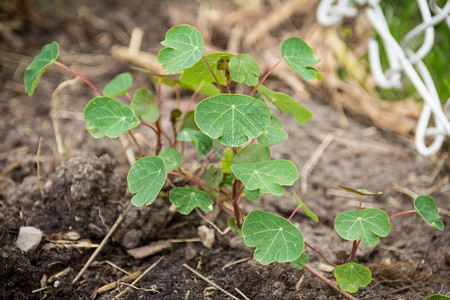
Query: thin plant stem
(80, 76)
(403, 213)
(157, 123)
(265, 77)
(320, 254)
(237, 211)
(360, 202)
(329, 282)
(136, 142)
(355, 248)
(199, 182)
(294, 212)
(214, 75)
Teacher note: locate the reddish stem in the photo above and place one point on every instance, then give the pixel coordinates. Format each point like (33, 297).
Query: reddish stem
(80, 76)
(199, 182)
(265, 77)
(320, 254)
(355, 248)
(237, 215)
(403, 213)
(360, 202)
(293, 213)
(136, 142)
(214, 75)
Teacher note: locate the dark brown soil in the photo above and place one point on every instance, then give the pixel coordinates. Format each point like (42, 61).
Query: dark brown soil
(87, 193)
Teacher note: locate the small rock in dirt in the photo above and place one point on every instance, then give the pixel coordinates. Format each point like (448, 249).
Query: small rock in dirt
(131, 239)
(207, 236)
(29, 238)
(190, 251)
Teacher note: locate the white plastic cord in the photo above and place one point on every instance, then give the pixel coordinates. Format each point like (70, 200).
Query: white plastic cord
(402, 60)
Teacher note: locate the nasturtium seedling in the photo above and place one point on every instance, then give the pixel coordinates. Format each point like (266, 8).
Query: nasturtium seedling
(367, 224)
(273, 134)
(185, 47)
(172, 158)
(48, 55)
(145, 105)
(426, 207)
(233, 119)
(351, 276)
(119, 85)
(244, 68)
(300, 57)
(267, 176)
(274, 237)
(105, 116)
(186, 199)
(145, 179)
(201, 141)
(300, 262)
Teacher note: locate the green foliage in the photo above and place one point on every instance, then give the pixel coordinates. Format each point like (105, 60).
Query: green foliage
(244, 68)
(286, 104)
(267, 176)
(200, 73)
(206, 88)
(186, 199)
(426, 207)
(437, 297)
(367, 224)
(300, 262)
(233, 226)
(252, 154)
(105, 116)
(119, 85)
(300, 57)
(306, 209)
(351, 276)
(274, 237)
(226, 160)
(145, 105)
(213, 177)
(172, 158)
(189, 122)
(201, 141)
(145, 179)
(233, 119)
(184, 48)
(361, 192)
(273, 134)
(47, 56)
(251, 195)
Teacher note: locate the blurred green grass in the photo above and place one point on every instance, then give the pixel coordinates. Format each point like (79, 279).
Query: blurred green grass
(402, 16)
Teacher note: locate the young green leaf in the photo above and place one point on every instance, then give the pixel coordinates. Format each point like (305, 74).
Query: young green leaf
(437, 297)
(244, 68)
(300, 57)
(145, 179)
(172, 158)
(361, 192)
(273, 134)
(351, 276)
(267, 176)
(184, 48)
(200, 73)
(426, 207)
(119, 85)
(251, 195)
(106, 116)
(300, 262)
(186, 199)
(47, 56)
(233, 226)
(251, 154)
(274, 237)
(367, 224)
(201, 141)
(233, 119)
(226, 161)
(189, 122)
(213, 177)
(306, 209)
(286, 104)
(207, 88)
(145, 105)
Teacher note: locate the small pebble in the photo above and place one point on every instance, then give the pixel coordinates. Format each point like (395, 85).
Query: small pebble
(29, 238)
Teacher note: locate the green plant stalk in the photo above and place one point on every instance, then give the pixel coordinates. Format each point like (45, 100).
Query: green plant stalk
(80, 76)
(402, 213)
(214, 75)
(265, 77)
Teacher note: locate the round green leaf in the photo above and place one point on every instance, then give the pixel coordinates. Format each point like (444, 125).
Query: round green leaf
(233, 119)
(201, 141)
(437, 297)
(200, 73)
(244, 68)
(267, 176)
(186, 199)
(145, 105)
(172, 158)
(184, 48)
(251, 154)
(300, 58)
(106, 116)
(286, 104)
(367, 224)
(426, 207)
(351, 276)
(274, 237)
(300, 262)
(273, 134)
(145, 179)
(119, 85)
(33, 72)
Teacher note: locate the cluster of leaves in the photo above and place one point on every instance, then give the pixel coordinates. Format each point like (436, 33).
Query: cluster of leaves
(238, 129)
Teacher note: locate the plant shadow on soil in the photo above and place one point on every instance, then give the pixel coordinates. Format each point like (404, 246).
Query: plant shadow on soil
(87, 193)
